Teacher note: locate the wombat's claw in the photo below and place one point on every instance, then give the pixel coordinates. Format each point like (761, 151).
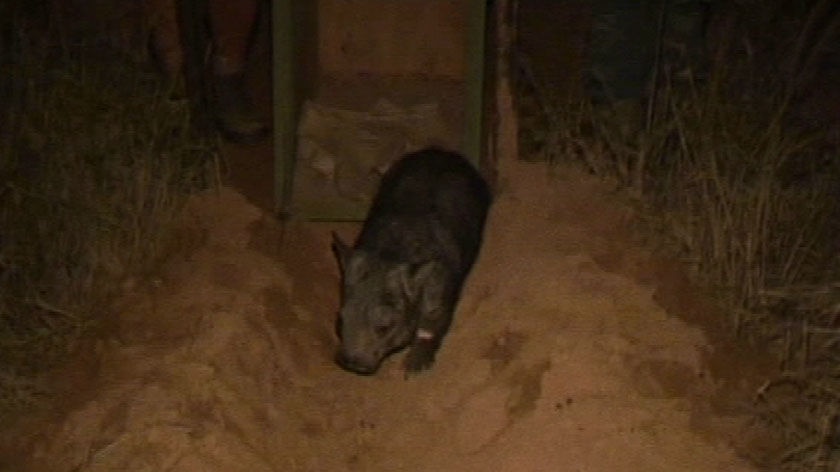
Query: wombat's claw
(419, 358)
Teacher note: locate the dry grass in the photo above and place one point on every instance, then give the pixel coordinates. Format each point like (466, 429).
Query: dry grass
(746, 197)
(728, 192)
(803, 402)
(96, 161)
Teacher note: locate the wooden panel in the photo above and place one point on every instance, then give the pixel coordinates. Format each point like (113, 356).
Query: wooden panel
(393, 37)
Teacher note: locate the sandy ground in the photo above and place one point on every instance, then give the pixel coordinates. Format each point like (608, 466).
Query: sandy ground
(561, 357)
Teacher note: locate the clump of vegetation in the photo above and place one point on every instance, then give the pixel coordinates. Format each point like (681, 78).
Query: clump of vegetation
(803, 401)
(746, 191)
(96, 160)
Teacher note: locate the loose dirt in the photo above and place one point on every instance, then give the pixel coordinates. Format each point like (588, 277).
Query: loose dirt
(561, 357)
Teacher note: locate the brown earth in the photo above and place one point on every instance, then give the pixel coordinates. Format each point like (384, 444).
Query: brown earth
(563, 356)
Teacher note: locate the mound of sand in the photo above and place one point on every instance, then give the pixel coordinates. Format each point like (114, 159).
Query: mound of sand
(224, 362)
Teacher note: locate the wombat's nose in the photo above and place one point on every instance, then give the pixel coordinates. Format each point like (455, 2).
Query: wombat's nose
(354, 364)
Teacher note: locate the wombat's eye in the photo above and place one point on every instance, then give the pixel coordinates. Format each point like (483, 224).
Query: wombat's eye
(383, 329)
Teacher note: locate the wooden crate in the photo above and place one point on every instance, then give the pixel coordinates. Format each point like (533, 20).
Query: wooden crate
(323, 48)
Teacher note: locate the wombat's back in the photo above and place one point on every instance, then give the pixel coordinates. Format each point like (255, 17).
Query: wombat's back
(428, 199)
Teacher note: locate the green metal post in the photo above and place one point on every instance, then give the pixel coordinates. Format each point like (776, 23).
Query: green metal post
(474, 83)
(285, 103)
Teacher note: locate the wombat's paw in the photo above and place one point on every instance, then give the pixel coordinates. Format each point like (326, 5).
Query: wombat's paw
(420, 357)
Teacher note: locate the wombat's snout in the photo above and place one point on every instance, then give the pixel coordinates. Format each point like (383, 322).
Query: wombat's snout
(354, 364)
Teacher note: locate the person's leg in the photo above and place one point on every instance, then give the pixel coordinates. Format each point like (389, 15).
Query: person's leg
(232, 24)
(166, 42)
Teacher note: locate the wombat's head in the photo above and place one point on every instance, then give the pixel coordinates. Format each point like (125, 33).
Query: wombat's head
(378, 307)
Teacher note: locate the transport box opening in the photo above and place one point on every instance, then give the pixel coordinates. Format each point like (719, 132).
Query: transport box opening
(359, 82)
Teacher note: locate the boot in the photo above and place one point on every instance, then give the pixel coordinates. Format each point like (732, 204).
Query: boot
(236, 115)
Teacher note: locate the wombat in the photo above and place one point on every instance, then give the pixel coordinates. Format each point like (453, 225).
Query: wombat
(403, 276)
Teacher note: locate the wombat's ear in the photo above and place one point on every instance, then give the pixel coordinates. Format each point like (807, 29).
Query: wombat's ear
(341, 250)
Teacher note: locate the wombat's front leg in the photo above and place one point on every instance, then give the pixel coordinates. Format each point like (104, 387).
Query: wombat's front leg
(436, 307)
(421, 354)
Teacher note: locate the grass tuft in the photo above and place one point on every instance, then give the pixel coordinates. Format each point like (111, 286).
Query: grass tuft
(746, 194)
(96, 159)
